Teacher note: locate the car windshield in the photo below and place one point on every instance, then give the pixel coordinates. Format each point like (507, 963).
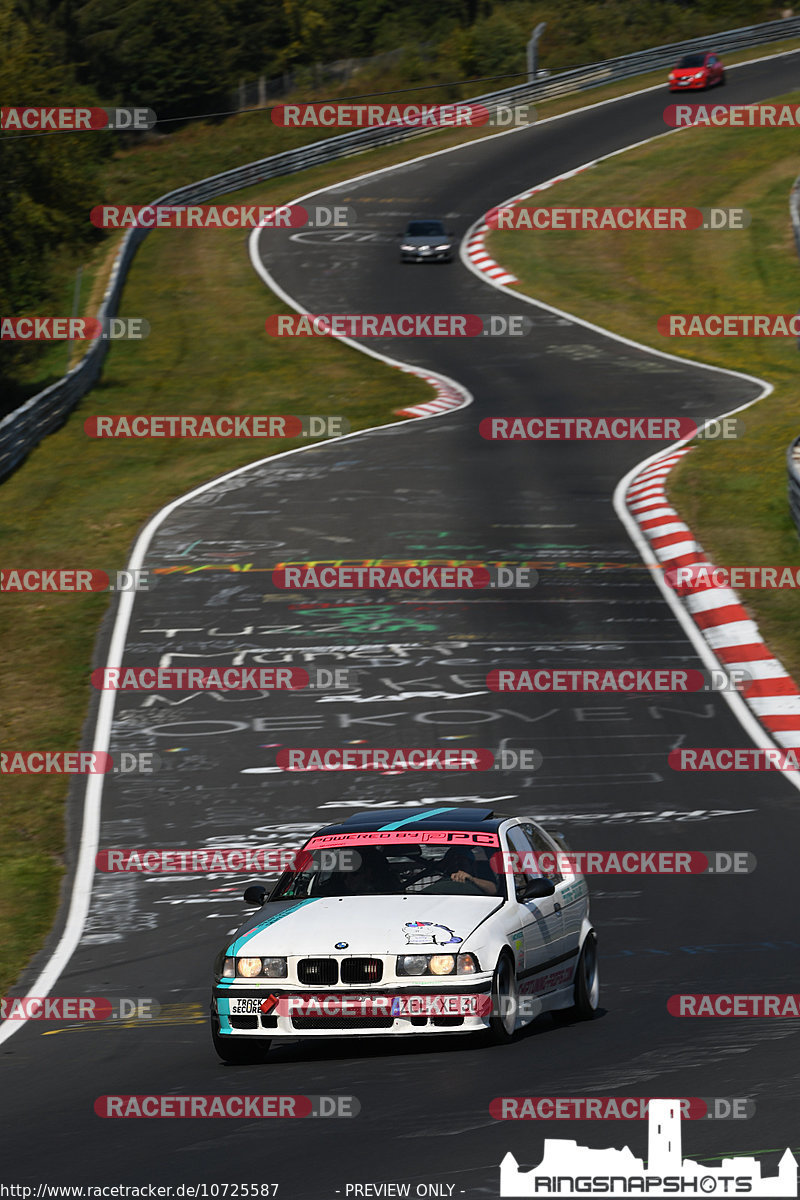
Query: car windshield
(425, 229)
(692, 60)
(393, 870)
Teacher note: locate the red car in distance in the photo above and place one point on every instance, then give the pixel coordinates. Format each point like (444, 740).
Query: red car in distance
(696, 72)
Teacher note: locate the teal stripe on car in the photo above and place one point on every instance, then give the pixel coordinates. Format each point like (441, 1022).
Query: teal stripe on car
(224, 1012)
(236, 946)
(434, 812)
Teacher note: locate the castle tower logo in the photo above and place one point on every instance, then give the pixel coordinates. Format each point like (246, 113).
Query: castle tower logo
(568, 1169)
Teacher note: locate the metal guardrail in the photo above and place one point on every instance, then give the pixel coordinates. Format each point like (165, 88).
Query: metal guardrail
(793, 453)
(24, 428)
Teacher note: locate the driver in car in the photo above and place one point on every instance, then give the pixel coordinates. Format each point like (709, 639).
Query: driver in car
(459, 865)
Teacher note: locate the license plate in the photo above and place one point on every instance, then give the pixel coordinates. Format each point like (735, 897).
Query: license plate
(245, 1006)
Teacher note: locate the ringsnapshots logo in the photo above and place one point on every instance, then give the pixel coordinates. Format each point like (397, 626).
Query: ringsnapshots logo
(44, 119)
(399, 325)
(567, 1169)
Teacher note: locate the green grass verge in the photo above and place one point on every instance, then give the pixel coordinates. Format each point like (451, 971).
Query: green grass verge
(732, 494)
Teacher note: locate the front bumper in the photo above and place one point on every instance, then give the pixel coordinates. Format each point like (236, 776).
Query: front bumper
(426, 256)
(688, 85)
(351, 1012)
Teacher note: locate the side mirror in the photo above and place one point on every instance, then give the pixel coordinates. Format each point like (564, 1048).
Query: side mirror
(255, 895)
(537, 889)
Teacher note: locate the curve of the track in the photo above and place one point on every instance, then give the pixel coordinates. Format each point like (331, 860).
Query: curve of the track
(428, 489)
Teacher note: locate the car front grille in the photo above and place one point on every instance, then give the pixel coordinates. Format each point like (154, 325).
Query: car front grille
(243, 1022)
(319, 972)
(362, 970)
(331, 1023)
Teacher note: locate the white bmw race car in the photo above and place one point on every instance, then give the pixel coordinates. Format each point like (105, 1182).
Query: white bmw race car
(453, 920)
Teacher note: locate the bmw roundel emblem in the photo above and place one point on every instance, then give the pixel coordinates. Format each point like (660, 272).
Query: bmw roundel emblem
(341, 945)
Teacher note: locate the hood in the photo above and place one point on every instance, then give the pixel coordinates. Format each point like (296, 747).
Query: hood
(369, 925)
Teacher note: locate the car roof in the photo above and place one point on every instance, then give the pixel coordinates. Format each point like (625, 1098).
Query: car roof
(441, 817)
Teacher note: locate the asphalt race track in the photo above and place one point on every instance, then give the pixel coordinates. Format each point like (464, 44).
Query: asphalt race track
(429, 489)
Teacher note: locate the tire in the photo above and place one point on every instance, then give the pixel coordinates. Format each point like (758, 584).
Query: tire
(239, 1051)
(587, 983)
(503, 1021)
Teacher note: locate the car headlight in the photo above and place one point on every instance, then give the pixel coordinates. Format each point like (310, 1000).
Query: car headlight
(412, 964)
(248, 968)
(698, 74)
(408, 247)
(444, 246)
(228, 969)
(252, 968)
(437, 964)
(275, 968)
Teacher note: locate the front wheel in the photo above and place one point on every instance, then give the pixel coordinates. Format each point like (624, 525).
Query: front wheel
(587, 982)
(503, 1021)
(239, 1051)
